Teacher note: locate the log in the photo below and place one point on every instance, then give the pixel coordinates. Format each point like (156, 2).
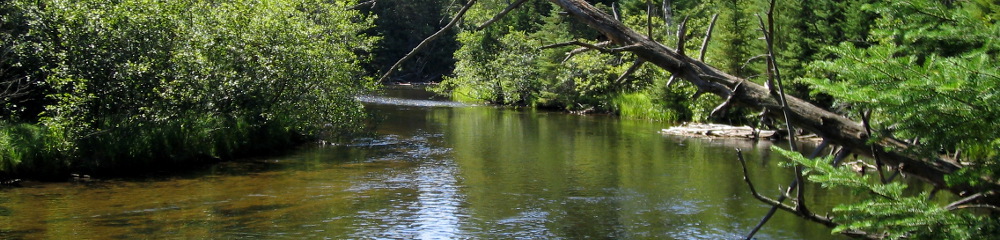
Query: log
(717, 131)
(804, 115)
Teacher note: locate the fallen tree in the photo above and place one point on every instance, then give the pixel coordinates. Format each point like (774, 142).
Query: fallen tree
(738, 91)
(832, 127)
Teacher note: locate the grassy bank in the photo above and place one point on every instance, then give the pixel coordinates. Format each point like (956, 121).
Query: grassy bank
(644, 106)
(40, 152)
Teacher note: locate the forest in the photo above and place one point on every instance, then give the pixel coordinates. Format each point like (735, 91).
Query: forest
(119, 87)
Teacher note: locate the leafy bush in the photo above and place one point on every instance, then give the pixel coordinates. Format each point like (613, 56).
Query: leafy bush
(139, 81)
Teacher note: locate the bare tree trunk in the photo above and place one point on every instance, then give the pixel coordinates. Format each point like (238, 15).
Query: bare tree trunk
(834, 127)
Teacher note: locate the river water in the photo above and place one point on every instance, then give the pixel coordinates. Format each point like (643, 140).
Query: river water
(440, 170)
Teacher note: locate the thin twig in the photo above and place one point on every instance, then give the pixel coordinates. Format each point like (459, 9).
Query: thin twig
(866, 121)
(963, 201)
(500, 15)
(775, 74)
(427, 41)
(671, 80)
(776, 204)
(359, 5)
(579, 43)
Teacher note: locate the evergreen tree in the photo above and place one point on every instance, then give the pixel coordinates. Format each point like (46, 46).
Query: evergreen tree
(929, 72)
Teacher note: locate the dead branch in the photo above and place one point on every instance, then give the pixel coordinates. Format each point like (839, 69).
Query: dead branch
(983, 206)
(614, 9)
(667, 14)
(682, 36)
(649, 20)
(746, 175)
(359, 5)
(588, 46)
(708, 37)
(865, 121)
(574, 52)
(774, 75)
(12, 87)
(745, 64)
(964, 203)
(725, 104)
(635, 66)
(777, 203)
(428, 40)
(632, 47)
(795, 183)
(800, 199)
(500, 15)
(671, 80)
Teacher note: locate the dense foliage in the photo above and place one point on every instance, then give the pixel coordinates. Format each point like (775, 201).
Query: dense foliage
(930, 74)
(138, 83)
(926, 71)
(124, 84)
(505, 63)
(884, 211)
(402, 24)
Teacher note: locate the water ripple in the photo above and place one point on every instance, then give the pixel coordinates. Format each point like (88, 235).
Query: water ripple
(410, 102)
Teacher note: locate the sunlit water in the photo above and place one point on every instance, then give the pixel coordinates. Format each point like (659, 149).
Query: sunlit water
(440, 170)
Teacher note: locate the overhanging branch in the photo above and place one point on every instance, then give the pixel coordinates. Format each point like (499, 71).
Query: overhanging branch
(423, 44)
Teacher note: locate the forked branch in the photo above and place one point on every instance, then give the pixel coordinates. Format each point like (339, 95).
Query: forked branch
(799, 212)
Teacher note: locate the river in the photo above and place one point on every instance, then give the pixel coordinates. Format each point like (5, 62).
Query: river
(440, 170)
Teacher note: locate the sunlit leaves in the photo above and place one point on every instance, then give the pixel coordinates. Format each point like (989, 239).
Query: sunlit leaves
(933, 76)
(885, 211)
(124, 67)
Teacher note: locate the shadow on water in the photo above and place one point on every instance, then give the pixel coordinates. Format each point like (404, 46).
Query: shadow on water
(439, 170)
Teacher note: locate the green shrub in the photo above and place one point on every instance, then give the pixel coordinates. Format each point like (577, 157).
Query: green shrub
(139, 83)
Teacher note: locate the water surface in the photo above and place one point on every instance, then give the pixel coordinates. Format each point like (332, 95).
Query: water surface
(440, 170)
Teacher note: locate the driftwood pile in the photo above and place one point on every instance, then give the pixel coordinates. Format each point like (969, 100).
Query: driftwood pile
(708, 130)
(721, 131)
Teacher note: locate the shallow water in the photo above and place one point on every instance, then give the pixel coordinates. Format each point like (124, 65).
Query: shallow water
(440, 170)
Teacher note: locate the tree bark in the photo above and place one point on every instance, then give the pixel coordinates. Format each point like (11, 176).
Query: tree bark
(834, 127)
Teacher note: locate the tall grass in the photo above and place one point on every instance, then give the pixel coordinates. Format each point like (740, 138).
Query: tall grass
(35, 151)
(643, 106)
(192, 139)
(29, 148)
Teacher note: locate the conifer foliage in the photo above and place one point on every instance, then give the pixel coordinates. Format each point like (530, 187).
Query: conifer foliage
(929, 74)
